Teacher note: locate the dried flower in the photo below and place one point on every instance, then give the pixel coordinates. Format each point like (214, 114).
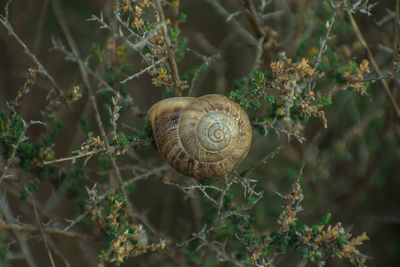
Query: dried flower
(356, 80)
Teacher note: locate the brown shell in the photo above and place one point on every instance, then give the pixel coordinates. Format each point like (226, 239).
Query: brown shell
(201, 137)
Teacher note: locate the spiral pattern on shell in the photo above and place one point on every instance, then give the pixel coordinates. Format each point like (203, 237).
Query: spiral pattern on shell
(201, 137)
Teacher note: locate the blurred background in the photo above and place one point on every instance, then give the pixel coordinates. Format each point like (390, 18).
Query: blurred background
(352, 167)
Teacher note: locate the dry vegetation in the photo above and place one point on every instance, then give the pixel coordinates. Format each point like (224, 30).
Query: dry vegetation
(81, 182)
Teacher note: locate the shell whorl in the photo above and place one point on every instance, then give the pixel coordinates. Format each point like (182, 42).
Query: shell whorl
(201, 137)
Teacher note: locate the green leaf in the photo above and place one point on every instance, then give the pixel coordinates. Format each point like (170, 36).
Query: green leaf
(326, 218)
(182, 17)
(173, 33)
(325, 101)
(122, 140)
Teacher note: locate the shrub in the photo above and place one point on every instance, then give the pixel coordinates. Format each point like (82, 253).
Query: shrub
(82, 183)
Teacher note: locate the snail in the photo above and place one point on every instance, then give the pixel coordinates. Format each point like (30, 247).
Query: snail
(201, 137)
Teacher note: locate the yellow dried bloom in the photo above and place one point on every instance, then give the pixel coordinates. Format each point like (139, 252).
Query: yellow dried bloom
(329, 235)
(286, 71)
(350, 250)
(138, 11)
(122, 6)
(304, 68)
(31, 76)
(97, 217)
(113, 216)
(148, 3)
(121, 247)
(255, 256)
(76, 93)
(276, 67)
(355, 81)
(137, 23)
(155, 246)
(291, 208)
(364, 66)
(309, 108)
(162, 77)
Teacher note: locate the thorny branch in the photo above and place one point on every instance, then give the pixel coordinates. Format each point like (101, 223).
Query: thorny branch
(41, 230)
(143, 71)
(373, 63)
(26, 251)
(206, 236)
(57, 11)
(47, 229)
(21, 139)
(187, 189)
(41, 68)
(219, 250)
(91, 153)
(264, 160)
(170, 50)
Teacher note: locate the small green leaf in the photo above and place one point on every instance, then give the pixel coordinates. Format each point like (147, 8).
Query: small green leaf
(325, 101)
(326, 218)
(122, 140)
(182, 17)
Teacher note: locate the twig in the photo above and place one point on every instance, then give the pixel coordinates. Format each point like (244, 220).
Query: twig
(225, 14)
(57, 45)
(269, 156)
(5, 209)
(57, 11)
(324, 41)
(170, 50)
(194, 237)
(228, 185)
(92, 202)
(256, 23)
(202, 188)
(21, 139)
(232, 15)
(57, 251)
(221, 254)
(41, 69)
(143, 41)
(31, 228)
(278, 130)
(253, 18)
(143, 71)
(41, 230)
(323, 46)
(206, 62)
(145, 175)
(373, 62)
(129, 207)
(89, 153)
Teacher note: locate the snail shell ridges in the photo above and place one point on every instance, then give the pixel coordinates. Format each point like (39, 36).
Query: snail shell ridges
(201, 137)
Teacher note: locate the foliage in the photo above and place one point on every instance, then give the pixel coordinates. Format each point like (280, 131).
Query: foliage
(89, 155)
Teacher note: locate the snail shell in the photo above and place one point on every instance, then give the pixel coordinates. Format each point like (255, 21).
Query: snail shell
(201, 137)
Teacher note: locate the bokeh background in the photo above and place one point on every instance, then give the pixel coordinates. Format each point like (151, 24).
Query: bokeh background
(352, 167)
